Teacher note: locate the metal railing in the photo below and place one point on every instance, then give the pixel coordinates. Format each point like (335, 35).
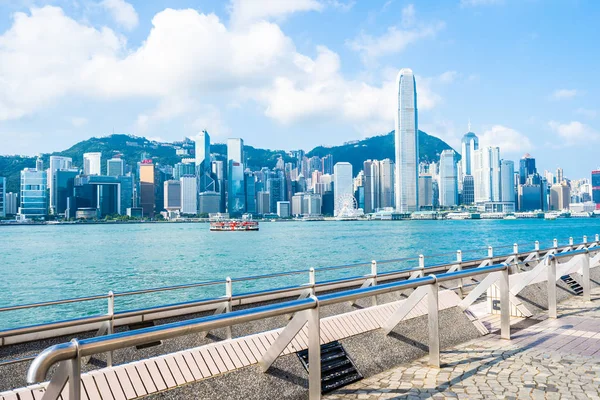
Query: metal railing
(226, 302)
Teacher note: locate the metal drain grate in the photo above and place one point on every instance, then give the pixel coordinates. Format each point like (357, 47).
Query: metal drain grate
(576, 287)
(337, 369)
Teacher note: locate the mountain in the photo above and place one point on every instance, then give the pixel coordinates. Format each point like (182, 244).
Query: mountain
(133, 149)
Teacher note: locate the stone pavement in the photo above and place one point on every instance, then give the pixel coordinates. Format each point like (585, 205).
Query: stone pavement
(545, 359)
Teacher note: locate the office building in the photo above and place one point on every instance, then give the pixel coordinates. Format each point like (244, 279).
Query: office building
(371, 185)
(172, 195)
(183, 169)
(596, 188)
(327, 163)
(386, 183)
(406, 143)
(530, 197)
(311, 204)
(250, 192)
(425, 192)
(146, 193)
(3, 212)
(263, 203)
(63, 186)
(34, 200)
(235, 150)
(189, 194)
(209, 202)
(486, 174)
(507, 179)
(343, 184)
(283, 209)
(298, 204)
(468, 191)
(92, 163)
(469, 143)
(12, 201)
(57, 163)
(115, 167)
(448, 184)
(560, 197)
(236, 197)
(526, 168)
(203, 161)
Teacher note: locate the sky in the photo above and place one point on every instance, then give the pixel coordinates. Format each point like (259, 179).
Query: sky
(288, 74)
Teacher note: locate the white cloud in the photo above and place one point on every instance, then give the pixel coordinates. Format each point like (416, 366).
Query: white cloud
(476, 3)
(122, 12)
(340, 5)
(78, 122)
(244, 12)
(509, 140)
(396, 39)
(561, 94)
(574, 132)
(591, 114)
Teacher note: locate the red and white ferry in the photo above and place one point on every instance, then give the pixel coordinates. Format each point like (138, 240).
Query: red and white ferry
(245, 224)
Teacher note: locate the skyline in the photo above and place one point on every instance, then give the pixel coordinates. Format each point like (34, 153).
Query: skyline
(335, 81)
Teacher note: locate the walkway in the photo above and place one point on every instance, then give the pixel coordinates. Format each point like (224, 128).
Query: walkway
(551, 359)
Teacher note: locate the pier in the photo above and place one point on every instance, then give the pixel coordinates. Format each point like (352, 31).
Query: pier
(426, 330)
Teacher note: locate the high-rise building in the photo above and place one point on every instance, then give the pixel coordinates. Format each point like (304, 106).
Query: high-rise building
(189, 194)
(203, 162)
(11, 203)
(469, 143)
(236, 197)
(56, 163)
(507, 186)
(530, 197)
(559, 175)
(407, 143)
(448, 184)
(560, 197)
(468, 191)
(371, 185)
(208, 202)
(250, 191)
(386, 183)
(172, 195)
(34, 201)
(183, 169)
(91, 163)
(311, 204)
(2, 197)
(298, 204)
(263, 203)
(526, 168)
(284, 209)
(327, 162)
(147, 181)
(235, 150)
(63, 185)
(115, 167)
(596, 188)
(343, 184)
(425, 191)
(486, 174)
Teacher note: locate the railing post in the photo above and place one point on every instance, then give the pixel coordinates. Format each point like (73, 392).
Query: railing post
(571, 241)
(584, 239)
(537, 250)
(552, 287)
(422, 264)
(75, 374)
(555, 243)
(537, 245)
(597, 238)
(314, 352)
(228, 294)
(586, 276)
(374, 279)
(434, 325)
(490, 255)
(504, 305)
(515, 248)
(111, 325)
(312, 280)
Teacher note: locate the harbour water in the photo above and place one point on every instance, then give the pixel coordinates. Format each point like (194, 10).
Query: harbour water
(42, 263)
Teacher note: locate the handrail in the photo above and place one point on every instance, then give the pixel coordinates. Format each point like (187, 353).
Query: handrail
(88, 347)
(244, 296)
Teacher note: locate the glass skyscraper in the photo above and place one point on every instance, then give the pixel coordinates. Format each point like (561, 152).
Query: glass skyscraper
(34, 199)
(407, 143)
(469, 144)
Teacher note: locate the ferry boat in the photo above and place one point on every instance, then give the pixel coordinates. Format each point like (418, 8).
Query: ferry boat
(246, 224)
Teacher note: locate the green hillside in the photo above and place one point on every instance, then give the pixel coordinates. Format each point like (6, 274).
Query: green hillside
(133, 149)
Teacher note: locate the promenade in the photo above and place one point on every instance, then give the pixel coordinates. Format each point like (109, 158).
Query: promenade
(545, 359)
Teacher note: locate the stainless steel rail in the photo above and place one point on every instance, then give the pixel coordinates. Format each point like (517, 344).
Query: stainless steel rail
(72, 352)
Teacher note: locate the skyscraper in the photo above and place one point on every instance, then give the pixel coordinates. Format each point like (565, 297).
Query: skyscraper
(115, 167)
(33, 194)
(386, 183)
(526, 168)
(236, 198)
(507, 186)
(486, 174)
(203, 151)
(469, 144)
(371, 185)
(596, 188)
(172, 195)
(57, 163)
(343, 183)
(91, 163)
(147, 180)
(406, 142)
(189, 194)
(235, 150)
(448, 184)
(2, 197)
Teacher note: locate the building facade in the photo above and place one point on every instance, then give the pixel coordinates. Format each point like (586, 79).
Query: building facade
(189, 194)
(343, 182)
(92, 163)
(115, 167)
(34, 200)
(3, 212)
(448, 183)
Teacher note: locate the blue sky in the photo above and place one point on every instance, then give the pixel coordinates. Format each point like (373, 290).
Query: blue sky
(301, 73)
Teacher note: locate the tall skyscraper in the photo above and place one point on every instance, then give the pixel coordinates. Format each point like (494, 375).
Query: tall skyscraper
(507, 186)
(469, 144)
(371, 185)
(147, 196)
(486, 174)
(448, 184)
(327, 162)
(57, 163)
(91, 163)
(560, 196)
(2, 197)
(596, 188)
(386, 183)
(115, 167)
(407, 143)
(343, 182)
(526, 168)
(236, 197)
(172, 195)
(11, 203)
(235, 150)
(189, 194)
(425, 191)
(203, 161)
(34, 202)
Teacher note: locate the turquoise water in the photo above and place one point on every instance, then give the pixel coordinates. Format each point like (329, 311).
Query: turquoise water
(41, 263)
